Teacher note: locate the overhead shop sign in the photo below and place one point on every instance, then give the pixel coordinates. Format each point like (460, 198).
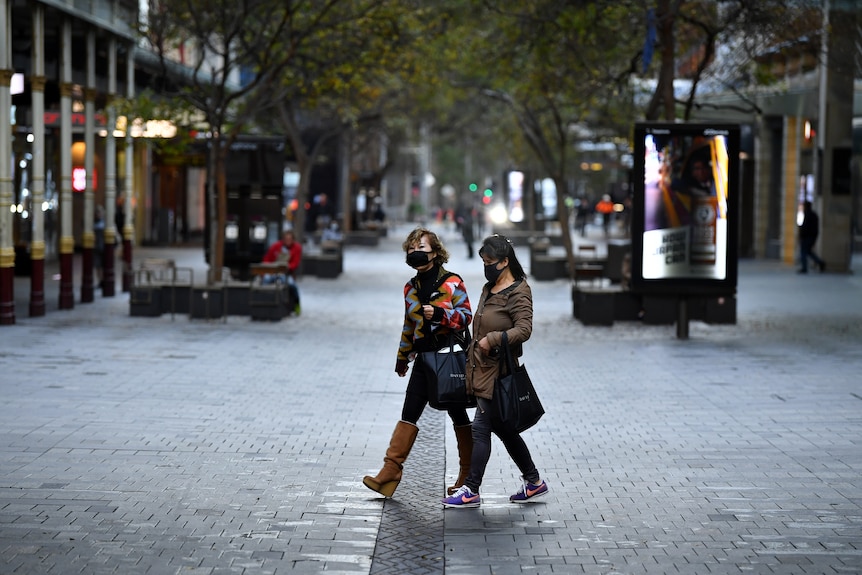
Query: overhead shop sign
(53, 120)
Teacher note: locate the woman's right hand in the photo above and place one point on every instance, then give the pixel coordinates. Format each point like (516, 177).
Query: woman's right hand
(427, 311)
(401, 367)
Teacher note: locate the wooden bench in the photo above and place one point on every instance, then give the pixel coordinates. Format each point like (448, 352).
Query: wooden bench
(327, 263)
(271, 301)
(208, 302)
(589, 270)
(593, 306)
(362, 238)
(588, 266)
(160, 287)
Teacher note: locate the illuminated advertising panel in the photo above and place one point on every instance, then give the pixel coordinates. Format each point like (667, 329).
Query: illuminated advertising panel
(515, 195)
(686, 193)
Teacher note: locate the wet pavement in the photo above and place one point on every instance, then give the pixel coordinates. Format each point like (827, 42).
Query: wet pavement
(170, 445)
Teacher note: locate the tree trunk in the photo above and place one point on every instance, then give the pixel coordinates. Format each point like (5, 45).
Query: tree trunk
(663, 99)
(667, 17)
(563, 218)
(216, 258)
(221, 192)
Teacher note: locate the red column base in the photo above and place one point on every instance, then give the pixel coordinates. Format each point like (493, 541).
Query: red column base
(109, 280)
(7, 295)
(37, 288)
(128, 274)
(87, 288)
(67, 296)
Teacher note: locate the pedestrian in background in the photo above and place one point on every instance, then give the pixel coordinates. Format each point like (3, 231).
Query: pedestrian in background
(606, 208)
(809, 229)
(506, 305)
(464, 219)
(285, 251)
(582, 213)
(120, 221)
(435, 305)
(99, 241)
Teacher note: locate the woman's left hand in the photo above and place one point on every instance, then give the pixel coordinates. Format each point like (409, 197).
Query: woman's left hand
(428, 311)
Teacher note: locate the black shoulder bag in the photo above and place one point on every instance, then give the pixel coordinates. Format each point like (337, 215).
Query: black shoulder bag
(446, 369)
(446, 373)
(516, 404)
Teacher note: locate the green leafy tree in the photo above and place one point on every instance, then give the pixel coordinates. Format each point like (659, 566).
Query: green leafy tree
(571, 71)
(552, 67)
(350, 77)
(215, 41)
(688, 35)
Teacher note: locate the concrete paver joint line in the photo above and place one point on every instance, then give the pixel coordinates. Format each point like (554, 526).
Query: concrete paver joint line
(410, 539)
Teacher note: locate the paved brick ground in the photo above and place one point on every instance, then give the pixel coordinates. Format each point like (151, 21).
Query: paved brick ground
(146, 445)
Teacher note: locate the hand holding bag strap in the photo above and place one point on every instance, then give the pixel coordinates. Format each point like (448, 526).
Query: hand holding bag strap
(463, 337)
(506, 358)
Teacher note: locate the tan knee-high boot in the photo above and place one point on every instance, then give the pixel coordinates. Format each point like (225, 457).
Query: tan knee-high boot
(464, 437)
(399, 448)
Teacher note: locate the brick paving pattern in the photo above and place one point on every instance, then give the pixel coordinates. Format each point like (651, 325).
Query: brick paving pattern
(145, 445)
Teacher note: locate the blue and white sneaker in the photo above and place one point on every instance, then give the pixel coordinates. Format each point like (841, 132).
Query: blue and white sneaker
(529, 492)
(463, 498)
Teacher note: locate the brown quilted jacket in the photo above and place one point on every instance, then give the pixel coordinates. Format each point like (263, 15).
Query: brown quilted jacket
(510, 310)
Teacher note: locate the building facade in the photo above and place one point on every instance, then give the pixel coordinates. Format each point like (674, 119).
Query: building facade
(798, 142)
(76, 177)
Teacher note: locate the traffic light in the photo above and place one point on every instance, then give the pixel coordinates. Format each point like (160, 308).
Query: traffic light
(473, 187)
(487, 195)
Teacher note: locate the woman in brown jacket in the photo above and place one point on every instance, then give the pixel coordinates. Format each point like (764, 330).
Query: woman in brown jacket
(506, 305)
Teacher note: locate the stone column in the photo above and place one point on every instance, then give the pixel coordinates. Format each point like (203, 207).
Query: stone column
(129, 231)
(835, 135)
(112, 234)
(89, 238)
(7, 249)
(67, 241)
(37, 88)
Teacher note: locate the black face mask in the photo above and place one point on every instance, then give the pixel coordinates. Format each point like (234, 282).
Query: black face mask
(418, 259)
(492, 274)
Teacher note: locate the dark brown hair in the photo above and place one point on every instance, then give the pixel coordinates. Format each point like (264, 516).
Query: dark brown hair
(497, 247)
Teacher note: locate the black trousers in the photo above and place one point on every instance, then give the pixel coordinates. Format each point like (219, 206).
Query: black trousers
(416, 399)
(806, 251)
(483, 425)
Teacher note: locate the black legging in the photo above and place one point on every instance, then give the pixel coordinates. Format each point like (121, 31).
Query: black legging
(483, 426)
(416, 399)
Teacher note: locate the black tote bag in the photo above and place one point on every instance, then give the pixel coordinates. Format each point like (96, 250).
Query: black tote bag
(446, 373)
(516, 403)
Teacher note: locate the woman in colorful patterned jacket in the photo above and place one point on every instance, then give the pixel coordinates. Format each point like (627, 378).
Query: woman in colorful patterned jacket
(436, 305)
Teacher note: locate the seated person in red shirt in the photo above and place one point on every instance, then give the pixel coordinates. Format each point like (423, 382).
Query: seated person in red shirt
(288, 251)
